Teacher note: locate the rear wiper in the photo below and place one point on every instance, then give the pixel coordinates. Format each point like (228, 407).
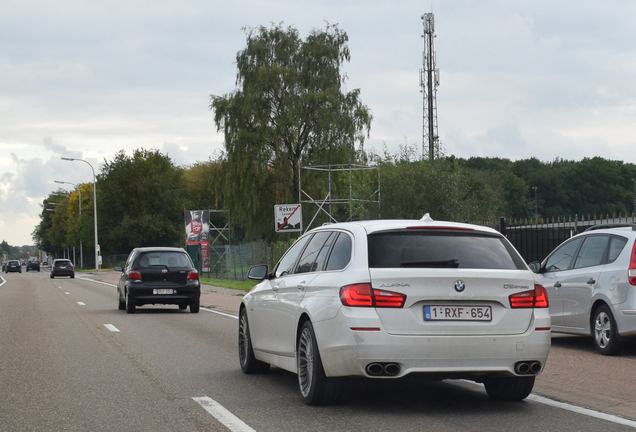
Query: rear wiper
(451, 263)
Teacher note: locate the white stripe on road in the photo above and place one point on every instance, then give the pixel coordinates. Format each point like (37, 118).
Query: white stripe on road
(67, 293)
(81, 303)
(577, 409)
(3, 281)
(111, 328)
(584, 411)
(219, 313)
(228, 419)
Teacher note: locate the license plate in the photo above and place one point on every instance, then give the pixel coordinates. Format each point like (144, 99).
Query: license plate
(163, 291)
(457, 313)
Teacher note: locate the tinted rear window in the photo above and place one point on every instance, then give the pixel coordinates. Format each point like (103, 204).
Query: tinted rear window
(423, 249)
(163, 259)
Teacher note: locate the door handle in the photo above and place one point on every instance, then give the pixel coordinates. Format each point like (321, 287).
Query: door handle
(302, 286)
(557, 285)
(591, 281)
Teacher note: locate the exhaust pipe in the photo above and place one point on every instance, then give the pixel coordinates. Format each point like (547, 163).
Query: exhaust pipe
(375, 369)
(522, 368)
(528, 367)
(383, 369)
(392, 369)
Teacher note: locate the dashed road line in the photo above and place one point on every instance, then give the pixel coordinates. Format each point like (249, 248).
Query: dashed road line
(81, 303)
(585, 411)
(229, 420)
(111, 328)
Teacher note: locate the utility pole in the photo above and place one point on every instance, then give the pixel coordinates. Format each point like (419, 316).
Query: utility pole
(429, 80)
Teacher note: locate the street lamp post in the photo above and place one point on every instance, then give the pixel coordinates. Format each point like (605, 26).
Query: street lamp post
(94, 208)
(77, 186)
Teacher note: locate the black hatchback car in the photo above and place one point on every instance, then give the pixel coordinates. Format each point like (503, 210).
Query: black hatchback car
(13, 266)
(158, 275)
(62, 267)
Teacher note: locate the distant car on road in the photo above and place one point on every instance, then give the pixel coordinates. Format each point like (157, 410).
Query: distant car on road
(591, 283)
(33, 264)
(384, 299)
(158, 275)
(62, 267)
(13, 266)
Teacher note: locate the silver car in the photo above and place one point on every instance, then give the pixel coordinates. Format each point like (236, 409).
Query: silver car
(591, 283)
(388, 298)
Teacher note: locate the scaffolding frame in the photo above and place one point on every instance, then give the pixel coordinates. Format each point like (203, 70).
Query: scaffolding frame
(329, 200)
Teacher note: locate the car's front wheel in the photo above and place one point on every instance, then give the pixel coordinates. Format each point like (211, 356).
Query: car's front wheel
(604, 332)
(315, 387)
(249, 363)
(130, 305)
(509, 388)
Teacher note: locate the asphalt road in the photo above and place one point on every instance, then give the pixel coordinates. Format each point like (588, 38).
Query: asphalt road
(71, 361)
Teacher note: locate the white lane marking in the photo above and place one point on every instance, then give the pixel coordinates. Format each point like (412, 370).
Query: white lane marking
(585, 411)
(220, 313)
(67, 293)
(574, 408)
(81, 303)
(111, 328)
(99, 282)
(3, 281)
(228, 419)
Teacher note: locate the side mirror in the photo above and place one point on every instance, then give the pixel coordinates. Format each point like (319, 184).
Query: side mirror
(535, 266)
(119, 269)
(257, 272)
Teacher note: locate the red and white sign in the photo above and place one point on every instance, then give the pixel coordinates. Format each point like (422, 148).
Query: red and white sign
(288, 217)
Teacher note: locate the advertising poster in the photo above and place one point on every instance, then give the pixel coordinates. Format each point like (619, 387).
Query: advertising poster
(197, 227)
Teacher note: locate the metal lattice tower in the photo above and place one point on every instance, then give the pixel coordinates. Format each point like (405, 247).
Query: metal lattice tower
(429, 80)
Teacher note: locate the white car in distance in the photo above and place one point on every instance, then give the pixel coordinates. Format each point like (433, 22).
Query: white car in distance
(383, 299)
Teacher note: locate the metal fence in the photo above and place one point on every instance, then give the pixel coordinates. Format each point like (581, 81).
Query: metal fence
(535, 241)
(234, 261)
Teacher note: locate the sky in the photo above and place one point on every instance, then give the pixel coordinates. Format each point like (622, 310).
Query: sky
(518, 79)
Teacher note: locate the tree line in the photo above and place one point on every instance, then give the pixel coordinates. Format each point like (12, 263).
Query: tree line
(291, 110)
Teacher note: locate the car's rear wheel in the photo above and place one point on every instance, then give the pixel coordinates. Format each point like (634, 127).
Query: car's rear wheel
(509, 388)
(130, 305)
(194, 306)
(249, 363)
(183, 306)
(315, 387)
(604, 332)
(121, 303)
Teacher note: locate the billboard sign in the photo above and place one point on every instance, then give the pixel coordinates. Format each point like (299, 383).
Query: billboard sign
(197, 228)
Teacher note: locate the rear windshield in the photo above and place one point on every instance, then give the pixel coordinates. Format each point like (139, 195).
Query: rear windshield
(163, 259)
(423, 249)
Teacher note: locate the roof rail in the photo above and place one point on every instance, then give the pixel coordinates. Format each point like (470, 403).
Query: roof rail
(612, 225)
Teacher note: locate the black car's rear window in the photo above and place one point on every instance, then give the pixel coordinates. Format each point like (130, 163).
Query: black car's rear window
(425, 249)
(162, 259)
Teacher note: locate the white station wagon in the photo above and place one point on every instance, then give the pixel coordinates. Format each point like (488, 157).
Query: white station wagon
(387, 298)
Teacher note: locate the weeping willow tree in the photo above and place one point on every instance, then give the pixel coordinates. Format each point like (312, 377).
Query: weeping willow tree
(289, 110)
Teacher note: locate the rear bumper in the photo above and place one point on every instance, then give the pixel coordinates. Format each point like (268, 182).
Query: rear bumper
(145, 295)
(347, 352)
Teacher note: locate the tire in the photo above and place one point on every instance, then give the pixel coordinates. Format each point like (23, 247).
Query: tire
(52, 277)
(183, 306)
(315, 387)
(604, 332)
(121, 304)
(130, 305)
(72, 276)
(194, 307)
(509, 388)
(249, 364)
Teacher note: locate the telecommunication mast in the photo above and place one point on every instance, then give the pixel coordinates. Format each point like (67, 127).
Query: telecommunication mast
(429, 80)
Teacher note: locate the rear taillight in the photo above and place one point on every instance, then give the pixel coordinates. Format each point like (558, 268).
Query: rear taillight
(537, 298)
(362, 295)
(193, 275)
(631, 273)
(134, 275)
